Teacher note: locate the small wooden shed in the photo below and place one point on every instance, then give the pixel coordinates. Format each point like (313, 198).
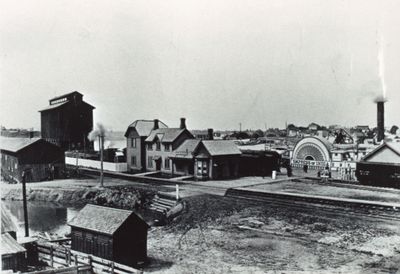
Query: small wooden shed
(13, 255)
(113, 234)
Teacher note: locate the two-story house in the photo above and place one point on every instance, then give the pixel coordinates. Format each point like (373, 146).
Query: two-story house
(136, 135)
(161, 144)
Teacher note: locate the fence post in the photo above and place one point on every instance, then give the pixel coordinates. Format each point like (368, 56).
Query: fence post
(76, 259)
(51, 256)
(69, 256)
(90, 260)
(112, 267)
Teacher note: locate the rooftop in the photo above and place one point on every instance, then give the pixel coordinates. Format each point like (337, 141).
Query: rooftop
(221, 147)
(165, 135)
(16, 144)
(101, 219)
(9, 245)
(144, 127)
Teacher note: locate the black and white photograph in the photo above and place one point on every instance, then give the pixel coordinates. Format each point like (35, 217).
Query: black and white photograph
(200, 136)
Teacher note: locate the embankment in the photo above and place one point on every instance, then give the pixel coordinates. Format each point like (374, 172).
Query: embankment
(120, 197)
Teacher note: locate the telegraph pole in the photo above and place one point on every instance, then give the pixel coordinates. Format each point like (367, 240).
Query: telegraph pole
(25, 203)
(101, 137)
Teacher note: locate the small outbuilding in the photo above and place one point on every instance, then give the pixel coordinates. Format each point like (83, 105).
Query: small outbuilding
(13, 255)
(114, 234)
(41, 159)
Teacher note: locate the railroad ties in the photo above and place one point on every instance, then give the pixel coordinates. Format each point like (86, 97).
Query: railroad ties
(310, 203)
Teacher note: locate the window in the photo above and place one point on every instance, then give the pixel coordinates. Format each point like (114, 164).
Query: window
(158, 145)
(166, 163)
(133, 160)
(150, 162)
(133, 142)
(149, 146)
(166, 147)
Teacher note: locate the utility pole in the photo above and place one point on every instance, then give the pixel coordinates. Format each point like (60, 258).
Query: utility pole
(25, 203)
(101, 140)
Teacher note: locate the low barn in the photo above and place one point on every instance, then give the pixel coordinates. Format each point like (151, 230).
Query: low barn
(381, 167)
(42, 159)
(114, 234)
(13, 256)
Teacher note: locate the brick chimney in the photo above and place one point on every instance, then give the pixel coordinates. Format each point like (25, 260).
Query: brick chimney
(210, 134)
(155, 124)
(183, 123)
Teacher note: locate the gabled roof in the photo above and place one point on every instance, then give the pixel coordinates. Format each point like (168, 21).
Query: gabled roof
(187, 149)
(221, 147)
(102, 219)
(17, 144)
(166, 135)
(144, 127)
(9, 245)
(394, 146)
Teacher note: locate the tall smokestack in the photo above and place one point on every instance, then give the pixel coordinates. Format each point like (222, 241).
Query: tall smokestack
(381, 120)
(183, 123)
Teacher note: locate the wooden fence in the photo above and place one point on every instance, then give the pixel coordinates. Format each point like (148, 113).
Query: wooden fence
(59, 256)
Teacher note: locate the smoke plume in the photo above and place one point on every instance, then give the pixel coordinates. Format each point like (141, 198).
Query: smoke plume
(99, 130)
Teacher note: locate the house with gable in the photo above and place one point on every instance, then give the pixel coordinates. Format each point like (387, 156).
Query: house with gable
(161, 144)
(135, 135)
(207, 159)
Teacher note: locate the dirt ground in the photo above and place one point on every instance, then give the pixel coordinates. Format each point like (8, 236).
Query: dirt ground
(222, 235)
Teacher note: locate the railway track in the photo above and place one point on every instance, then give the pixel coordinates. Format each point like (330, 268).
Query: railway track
(329, 207)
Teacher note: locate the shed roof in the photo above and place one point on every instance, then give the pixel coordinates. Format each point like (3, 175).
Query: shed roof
(165, 135)
(9, 245)
(186, 149)
(144, 127)
(102, 219)
(7, 224)
(221, 147)
(16, 144)
(53, 106)
(66, 95)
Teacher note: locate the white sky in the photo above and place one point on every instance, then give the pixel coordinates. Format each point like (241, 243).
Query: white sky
(217, 63)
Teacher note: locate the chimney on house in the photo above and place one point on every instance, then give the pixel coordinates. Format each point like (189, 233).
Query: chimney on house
(155, 124)
(381, 120)
(183, 123)
(210, 134)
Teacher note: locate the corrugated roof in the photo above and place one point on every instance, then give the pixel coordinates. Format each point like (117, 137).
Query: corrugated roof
(9, 245)
(144, 127)
(7, 224)
(101, 219)
(221, 147)
(16, 144)
(166, 135)
(186, 149)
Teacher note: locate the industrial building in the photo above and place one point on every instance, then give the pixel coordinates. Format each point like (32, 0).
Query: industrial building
(381, 167)
(39, 159)
(114, 234)
(67, 121)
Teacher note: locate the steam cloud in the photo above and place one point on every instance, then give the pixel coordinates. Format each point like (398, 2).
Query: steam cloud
(99, 130)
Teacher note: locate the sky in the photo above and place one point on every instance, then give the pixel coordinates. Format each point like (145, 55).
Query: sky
(216, 62)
